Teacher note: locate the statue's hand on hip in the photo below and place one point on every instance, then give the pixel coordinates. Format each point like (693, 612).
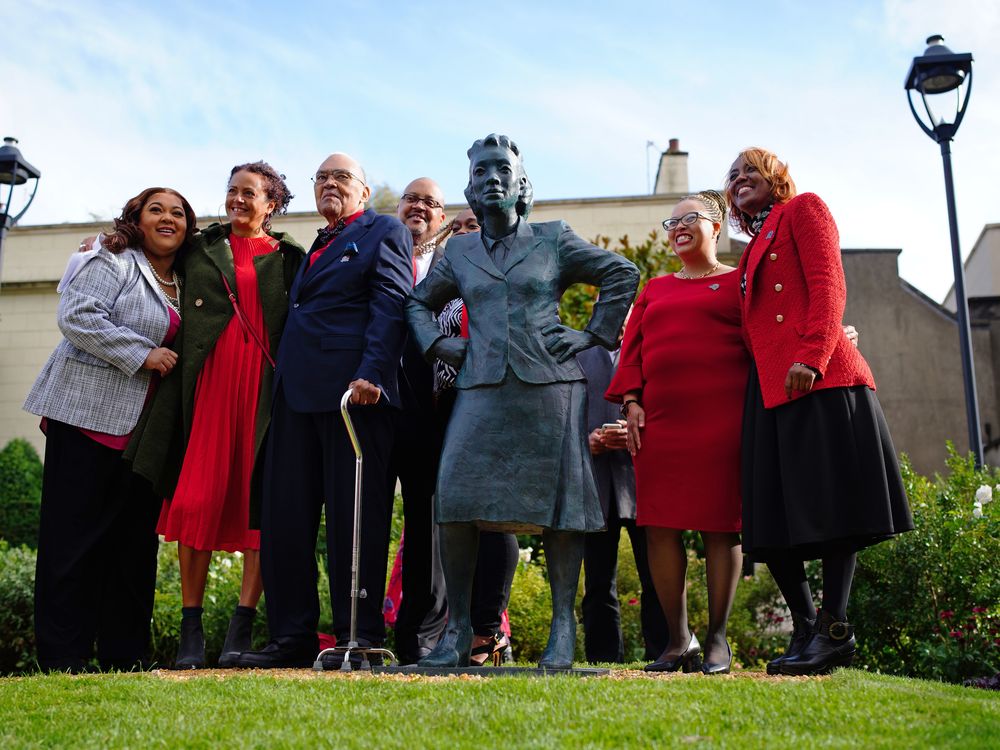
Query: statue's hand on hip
(563, 342)
(451, 351)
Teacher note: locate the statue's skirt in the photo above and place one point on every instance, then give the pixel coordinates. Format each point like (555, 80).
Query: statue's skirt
(516, 459)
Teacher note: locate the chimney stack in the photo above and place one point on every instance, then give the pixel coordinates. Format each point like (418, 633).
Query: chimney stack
(672, 174)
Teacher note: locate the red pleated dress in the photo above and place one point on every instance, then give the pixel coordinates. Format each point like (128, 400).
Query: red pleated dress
(210, 509)
(684, 351)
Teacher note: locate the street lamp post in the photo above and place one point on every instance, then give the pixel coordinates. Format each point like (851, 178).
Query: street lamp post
(934, 75)
(14, 170)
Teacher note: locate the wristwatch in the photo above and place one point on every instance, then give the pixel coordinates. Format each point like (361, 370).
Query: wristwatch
(624, 406)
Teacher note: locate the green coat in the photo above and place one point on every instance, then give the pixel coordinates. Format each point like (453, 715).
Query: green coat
(159, 441)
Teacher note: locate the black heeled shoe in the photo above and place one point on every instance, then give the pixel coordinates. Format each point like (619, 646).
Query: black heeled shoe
(238, 636)
(802, 630)
(689, 661)
(492, 651)
(711, 668)
(832, 645)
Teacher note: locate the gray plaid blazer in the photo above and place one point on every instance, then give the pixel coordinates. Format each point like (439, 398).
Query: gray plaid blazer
(111, 315)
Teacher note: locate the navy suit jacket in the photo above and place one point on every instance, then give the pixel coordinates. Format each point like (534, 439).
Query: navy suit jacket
(345, 316)
(613, 470)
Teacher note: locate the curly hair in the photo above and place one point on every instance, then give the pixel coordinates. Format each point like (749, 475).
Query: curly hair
(526, 196)
(274, 187)
(771, 169)
(127, 232)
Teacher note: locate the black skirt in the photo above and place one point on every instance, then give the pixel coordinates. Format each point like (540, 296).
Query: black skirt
(819, 475)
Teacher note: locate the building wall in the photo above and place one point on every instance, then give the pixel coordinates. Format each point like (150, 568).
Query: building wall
(911, 344)
(982, 267)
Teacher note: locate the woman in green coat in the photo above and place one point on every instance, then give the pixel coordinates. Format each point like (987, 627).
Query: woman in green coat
(206, 425)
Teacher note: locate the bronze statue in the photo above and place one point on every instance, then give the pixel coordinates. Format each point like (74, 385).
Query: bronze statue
(515, 456)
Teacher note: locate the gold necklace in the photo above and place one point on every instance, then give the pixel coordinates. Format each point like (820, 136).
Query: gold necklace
(683, 274)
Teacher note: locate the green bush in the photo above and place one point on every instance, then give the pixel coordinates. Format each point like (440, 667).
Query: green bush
(20, 493)
(17, 601)
(927, 603)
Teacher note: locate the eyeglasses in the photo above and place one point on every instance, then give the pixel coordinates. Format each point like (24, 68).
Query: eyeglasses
(341, 176)
(413, 199)
(687, 220)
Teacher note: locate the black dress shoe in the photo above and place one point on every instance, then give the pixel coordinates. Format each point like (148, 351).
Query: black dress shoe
(689, 661)
(711, 668)
(288, 653)
(832, 645)
(802, 630)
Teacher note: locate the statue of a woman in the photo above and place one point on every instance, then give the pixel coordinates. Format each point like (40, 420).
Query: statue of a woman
(515, 456)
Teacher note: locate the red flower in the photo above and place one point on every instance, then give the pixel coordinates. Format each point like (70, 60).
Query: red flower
(947, 614)
(633, 601)
(956, 634)
(979, 610)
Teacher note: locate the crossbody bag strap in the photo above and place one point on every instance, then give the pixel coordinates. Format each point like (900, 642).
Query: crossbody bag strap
(247, 328)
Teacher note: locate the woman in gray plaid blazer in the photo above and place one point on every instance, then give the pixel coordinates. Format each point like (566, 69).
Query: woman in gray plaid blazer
(96, 568)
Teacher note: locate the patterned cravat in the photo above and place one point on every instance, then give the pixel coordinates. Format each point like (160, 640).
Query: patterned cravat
(326, 234)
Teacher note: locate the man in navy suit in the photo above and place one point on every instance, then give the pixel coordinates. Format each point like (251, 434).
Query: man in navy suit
(345, 329)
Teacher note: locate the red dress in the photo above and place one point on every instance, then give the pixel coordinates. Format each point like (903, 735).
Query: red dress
(210, 509)
(683, 349)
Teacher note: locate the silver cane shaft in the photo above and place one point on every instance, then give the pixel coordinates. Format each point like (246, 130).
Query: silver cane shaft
(356, 538)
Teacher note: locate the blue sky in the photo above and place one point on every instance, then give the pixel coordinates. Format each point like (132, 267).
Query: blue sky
(109, 97)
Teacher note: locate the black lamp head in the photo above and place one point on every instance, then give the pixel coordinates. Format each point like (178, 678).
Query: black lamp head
(14, 169)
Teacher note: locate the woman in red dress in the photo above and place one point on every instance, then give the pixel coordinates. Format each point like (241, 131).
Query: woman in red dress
(204, 433)
(681, 380)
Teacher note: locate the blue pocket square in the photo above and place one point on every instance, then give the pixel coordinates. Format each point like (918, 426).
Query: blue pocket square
(349, 252)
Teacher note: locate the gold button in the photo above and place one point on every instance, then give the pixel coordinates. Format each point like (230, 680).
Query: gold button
(198, 302)
(778, 287)
(779, 318)
(773, 256)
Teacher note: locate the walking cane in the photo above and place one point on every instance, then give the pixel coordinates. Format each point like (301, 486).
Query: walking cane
(356, 593)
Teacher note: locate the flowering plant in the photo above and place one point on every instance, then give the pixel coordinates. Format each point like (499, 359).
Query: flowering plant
(926, 604)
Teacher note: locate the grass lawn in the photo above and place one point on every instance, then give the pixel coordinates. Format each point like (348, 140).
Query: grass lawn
(303, 709)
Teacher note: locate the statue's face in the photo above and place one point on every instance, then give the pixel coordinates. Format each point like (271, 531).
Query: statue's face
(496, 178)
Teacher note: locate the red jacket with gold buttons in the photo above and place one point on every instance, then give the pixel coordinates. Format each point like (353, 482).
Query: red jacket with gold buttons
(794, 304)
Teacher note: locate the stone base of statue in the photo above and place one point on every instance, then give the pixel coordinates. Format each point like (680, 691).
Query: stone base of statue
(492, 671)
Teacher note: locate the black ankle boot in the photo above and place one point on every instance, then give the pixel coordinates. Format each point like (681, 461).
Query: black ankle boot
(802, 630)
(832, 645)
(191, 649)
(238, 637)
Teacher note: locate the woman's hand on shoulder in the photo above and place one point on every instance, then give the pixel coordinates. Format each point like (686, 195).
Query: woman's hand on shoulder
(161, 360)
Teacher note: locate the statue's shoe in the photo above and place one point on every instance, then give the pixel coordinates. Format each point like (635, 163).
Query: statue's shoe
(558, 653)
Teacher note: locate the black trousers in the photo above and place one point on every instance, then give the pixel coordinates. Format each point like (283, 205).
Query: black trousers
(423, 610)
(96, 569)
(309, 461)
(602, 633)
